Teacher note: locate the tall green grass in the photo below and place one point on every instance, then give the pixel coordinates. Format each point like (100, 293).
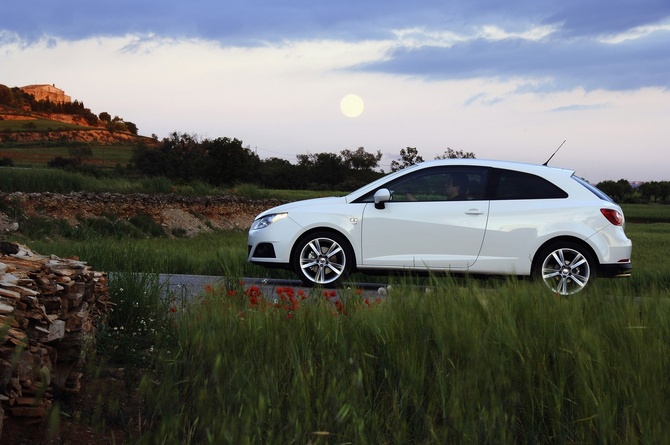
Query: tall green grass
(36, 180)
(41, 180)
(219, 253)
(458, 365)
(466, 361)
(224, 253)
(651, 270)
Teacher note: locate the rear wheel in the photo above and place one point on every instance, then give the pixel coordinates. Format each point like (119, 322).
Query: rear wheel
(323, 258)
(566, 268)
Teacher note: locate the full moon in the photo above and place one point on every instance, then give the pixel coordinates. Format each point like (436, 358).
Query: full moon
(352, 105)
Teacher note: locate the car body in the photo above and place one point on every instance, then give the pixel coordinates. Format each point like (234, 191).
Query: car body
(509, 219)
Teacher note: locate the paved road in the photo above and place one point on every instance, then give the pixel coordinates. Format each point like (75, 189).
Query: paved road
(193, 285)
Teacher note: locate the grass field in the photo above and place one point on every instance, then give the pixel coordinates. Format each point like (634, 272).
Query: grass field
(38, 125)
(471, 361)
(646, 213)
(462, 365)
(106, 156)
(434, 360)
(38, 154)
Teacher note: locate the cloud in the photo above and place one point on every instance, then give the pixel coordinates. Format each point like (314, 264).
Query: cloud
(597, 17)
(586, 63)
(581, 107)
(566, 43)
(240, 20)
(502, 79)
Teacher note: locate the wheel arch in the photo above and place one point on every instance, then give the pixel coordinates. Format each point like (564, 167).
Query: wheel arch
(566, 239)
(323, 229)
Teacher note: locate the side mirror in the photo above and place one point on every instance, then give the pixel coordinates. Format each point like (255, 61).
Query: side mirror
(382, 196)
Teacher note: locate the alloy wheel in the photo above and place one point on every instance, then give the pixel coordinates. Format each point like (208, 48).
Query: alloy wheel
(322, 260)
(566, 271)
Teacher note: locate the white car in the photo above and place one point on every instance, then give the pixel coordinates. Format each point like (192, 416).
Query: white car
(454, 215)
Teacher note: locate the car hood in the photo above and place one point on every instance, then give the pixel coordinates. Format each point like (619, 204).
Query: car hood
(298, 205)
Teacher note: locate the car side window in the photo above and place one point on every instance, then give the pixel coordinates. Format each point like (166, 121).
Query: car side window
(509, 184)
(439, 184)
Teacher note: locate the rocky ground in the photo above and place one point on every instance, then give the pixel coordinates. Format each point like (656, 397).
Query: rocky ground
(187, 216)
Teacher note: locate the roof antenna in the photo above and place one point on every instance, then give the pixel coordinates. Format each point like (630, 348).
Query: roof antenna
(559, 147)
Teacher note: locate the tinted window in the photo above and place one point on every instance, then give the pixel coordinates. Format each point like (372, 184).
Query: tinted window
(518, 185)
(437, 184)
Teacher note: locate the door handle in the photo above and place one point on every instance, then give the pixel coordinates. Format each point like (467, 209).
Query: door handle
(474, 212)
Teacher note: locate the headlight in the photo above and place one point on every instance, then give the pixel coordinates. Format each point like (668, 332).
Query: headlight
(266, 220)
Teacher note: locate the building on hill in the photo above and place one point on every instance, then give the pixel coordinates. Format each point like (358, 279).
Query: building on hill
(47, 92)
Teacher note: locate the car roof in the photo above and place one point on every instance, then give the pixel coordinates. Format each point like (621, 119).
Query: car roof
(537, 169)
(511, 165)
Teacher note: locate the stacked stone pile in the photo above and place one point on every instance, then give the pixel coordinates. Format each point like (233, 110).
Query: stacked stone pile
(49, 310)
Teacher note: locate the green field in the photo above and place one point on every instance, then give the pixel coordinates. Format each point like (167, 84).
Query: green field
(443, 360)
(432, 360)
(38, 125)
(646, 213)
(106, 156)
(471, 361)
(38, 154)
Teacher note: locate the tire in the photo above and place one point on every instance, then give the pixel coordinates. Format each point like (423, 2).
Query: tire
(323, 258)
(566, 268)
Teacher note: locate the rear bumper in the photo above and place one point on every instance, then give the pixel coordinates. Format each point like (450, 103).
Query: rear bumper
(615, 270)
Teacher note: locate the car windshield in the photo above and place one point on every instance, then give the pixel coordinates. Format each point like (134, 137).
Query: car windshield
(595, 190)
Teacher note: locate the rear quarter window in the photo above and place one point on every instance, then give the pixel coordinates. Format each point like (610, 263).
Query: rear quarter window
(510, 184)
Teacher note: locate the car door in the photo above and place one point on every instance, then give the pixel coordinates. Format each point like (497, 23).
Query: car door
(422, 227)
(524, 210)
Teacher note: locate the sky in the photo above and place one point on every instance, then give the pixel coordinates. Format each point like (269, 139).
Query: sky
(506, 80)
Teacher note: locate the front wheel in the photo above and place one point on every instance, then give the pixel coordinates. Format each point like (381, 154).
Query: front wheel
(566, 268)
(323, 258)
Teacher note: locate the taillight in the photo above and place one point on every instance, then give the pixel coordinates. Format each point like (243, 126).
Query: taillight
(613, 216)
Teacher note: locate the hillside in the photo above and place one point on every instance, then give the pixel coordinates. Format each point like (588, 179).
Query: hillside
(25, 121)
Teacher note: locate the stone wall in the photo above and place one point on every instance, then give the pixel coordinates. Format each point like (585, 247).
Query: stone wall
(187, 214)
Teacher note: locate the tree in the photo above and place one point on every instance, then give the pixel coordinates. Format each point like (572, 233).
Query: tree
(280, 173)
(323, 169)
(360, 159)
(186, 158)
(616, 190)
(6, 96)
(149, 161)
(228, 162)
(650, 190)
(409, 156)
(663, 190)
(183, 156)
(105, 117)
(456, 154)
(177, 157)
(132, 128)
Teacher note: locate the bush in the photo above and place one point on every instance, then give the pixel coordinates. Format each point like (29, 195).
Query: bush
(6, 162)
